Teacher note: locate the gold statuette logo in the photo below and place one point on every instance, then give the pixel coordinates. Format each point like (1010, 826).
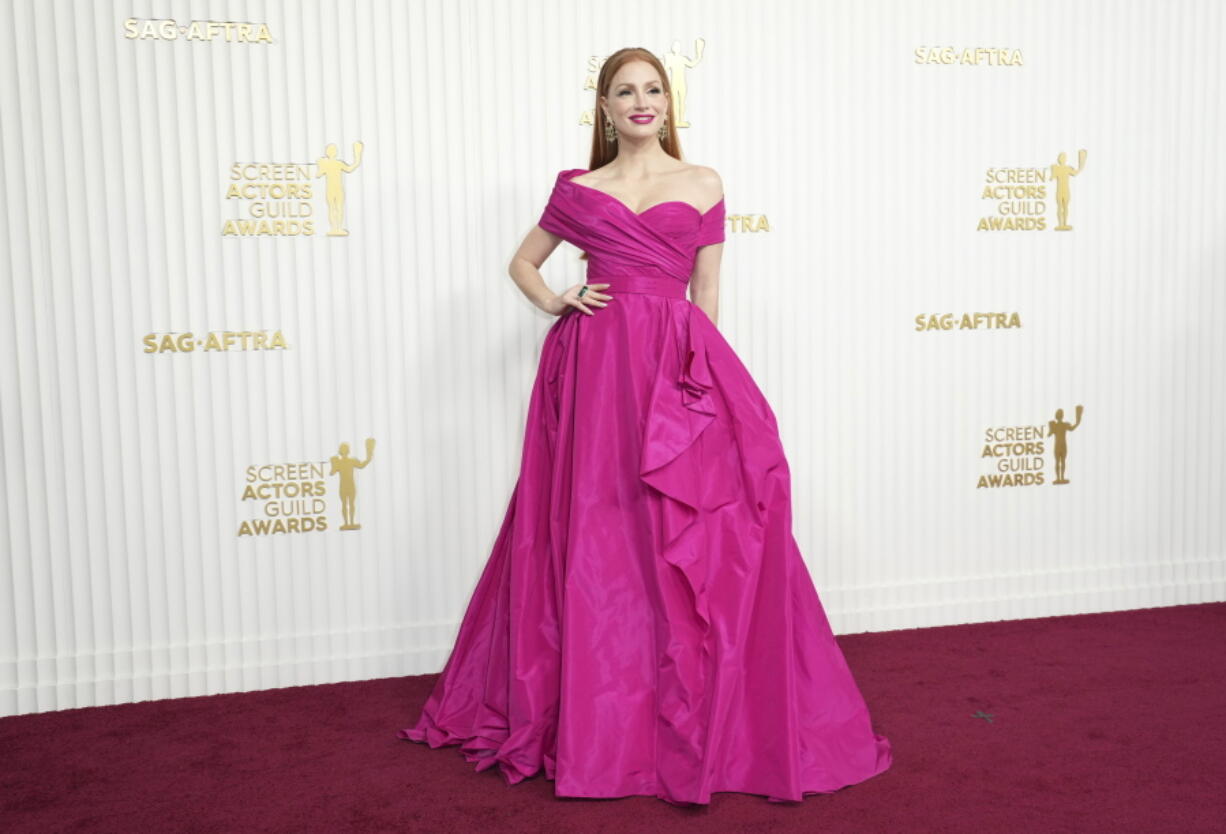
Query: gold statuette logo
(1016, 453)
(1061, 173)
(293, 497)
(332, 168)
(1020, 196)
(343, 467)
(278, 198)
(1059, 429)
(677, 66)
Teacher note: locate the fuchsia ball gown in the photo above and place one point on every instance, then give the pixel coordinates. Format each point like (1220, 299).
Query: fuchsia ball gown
(645, 624)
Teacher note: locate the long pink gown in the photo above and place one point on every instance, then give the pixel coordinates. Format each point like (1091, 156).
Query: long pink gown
(645, 624)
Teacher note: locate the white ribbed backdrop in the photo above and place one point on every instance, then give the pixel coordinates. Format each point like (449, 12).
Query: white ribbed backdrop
(853, 177)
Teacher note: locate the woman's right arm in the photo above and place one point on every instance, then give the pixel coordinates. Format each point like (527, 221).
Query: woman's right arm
(525, 271)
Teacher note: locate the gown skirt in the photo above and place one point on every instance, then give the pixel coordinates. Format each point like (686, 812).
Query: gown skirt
(645, 623)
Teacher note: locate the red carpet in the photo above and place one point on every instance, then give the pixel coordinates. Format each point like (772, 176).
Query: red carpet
(1099, 722)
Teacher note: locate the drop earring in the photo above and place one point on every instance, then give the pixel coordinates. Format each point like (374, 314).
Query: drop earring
(610, 132)
(663, 131)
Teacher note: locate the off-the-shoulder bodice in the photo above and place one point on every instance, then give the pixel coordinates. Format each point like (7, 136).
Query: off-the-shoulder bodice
(661, 240)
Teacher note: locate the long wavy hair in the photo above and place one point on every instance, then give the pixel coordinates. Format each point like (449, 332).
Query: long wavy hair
(604, 151)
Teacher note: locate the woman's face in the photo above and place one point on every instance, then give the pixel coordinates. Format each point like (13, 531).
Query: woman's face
(636, 102)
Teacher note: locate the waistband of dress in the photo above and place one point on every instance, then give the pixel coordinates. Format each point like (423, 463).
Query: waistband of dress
(646, 284)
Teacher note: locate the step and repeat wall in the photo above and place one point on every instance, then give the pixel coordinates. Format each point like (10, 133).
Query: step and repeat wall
(264, 374)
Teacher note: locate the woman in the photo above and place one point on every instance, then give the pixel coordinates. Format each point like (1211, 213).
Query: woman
(646, 624)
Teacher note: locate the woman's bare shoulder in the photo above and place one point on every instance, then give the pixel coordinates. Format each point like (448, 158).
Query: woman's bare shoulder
(708, 182)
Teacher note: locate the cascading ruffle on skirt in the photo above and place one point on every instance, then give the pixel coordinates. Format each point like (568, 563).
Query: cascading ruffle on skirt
(751, 692)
